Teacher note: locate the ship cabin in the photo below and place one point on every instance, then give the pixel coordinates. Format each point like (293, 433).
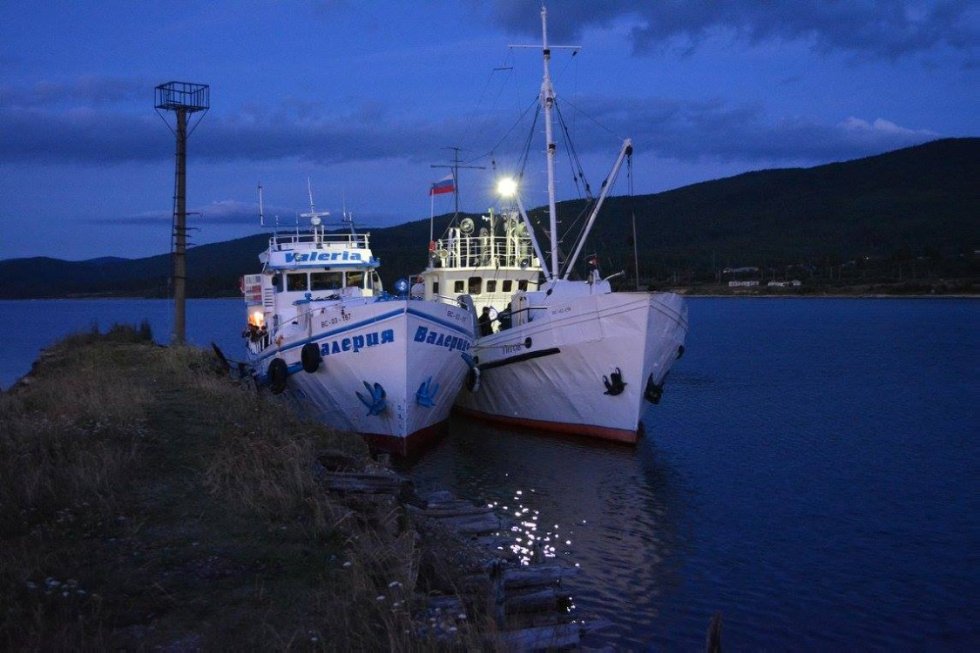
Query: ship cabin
(303, 272)
(491, 269)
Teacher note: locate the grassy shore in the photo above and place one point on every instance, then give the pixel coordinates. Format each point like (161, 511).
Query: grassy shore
(148, 501)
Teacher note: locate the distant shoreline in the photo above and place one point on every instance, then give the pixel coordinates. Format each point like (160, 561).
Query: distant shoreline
(681, 291)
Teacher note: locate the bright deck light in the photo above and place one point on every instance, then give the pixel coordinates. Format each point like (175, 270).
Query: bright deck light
(507, 187)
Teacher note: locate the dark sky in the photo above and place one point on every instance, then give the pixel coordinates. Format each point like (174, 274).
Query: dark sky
(362, 97)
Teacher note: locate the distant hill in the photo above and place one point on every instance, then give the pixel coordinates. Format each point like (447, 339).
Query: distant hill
(919, 204)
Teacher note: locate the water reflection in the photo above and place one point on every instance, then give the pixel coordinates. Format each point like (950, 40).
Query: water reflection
(614, 511)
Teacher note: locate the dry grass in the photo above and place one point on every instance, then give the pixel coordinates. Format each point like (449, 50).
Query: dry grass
(148, 502)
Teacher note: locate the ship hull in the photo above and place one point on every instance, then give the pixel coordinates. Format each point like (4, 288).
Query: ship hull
(388, 370)
(561, 372)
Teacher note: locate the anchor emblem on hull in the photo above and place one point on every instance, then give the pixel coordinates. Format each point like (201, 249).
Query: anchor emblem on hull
(425, 396)
(376, 399)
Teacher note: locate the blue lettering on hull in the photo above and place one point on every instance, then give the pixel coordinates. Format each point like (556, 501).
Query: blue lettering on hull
(433, 337)
(357, 343)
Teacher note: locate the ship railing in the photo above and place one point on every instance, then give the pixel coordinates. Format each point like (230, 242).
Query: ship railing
(259, 342)
(480, 251)
(349, 240)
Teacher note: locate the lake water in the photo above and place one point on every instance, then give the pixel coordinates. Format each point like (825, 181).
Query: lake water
(28, 326)
(812, 473)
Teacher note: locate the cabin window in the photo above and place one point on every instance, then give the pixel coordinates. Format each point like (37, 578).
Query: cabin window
(475, 285)
(326, 280)
(435, 287)
(522, 284)
(508, 285)
(355, 279)
(296, 281)
(459, 286)
(492, 285)
(277, 282)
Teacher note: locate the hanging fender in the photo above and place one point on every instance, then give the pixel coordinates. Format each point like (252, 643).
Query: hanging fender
(277, 373)
(473, 379)
(614, 383)
(654, 391)
(310, 355)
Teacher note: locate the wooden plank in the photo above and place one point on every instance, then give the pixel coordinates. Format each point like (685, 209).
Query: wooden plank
(475, 525)
(365, 483)
(538, 600)
(537, 575)
(461, 511)
(540, 638)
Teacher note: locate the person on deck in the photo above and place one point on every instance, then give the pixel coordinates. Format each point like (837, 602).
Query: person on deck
(485, 322)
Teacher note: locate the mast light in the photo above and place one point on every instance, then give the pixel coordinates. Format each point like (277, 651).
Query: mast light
(507, 187)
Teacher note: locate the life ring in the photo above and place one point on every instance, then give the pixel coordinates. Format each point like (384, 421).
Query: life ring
(278, 373)
(310, 355)
(432, 246)
(473, 379)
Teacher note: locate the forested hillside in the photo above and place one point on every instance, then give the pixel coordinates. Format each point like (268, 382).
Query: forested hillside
(913, 213)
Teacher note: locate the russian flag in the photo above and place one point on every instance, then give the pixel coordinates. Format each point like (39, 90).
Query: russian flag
(443, 186)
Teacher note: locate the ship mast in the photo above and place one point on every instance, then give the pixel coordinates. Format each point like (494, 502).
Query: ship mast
(548, 102)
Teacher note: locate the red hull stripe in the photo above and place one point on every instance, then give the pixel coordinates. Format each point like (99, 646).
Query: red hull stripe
(410, 445)
(601, 432)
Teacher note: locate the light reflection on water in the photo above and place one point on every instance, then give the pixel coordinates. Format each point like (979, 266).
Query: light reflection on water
(608, 509)
(527, 544)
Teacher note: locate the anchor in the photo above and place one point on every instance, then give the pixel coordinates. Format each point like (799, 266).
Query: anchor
(425, 396)
(614, 383)
(377, 401)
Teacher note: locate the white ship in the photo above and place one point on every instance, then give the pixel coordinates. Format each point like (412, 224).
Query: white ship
(321, 327)
(567, 355)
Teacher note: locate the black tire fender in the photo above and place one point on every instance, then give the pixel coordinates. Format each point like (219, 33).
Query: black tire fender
(278, 373)
(310, 355)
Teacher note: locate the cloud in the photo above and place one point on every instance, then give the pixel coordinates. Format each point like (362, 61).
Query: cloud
(85, 91)
(716, 130)
(882, 126)
(222, 212)
(884, 29)
(298, 130)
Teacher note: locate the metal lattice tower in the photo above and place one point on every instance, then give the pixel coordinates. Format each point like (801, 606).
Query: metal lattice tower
(183, 99)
